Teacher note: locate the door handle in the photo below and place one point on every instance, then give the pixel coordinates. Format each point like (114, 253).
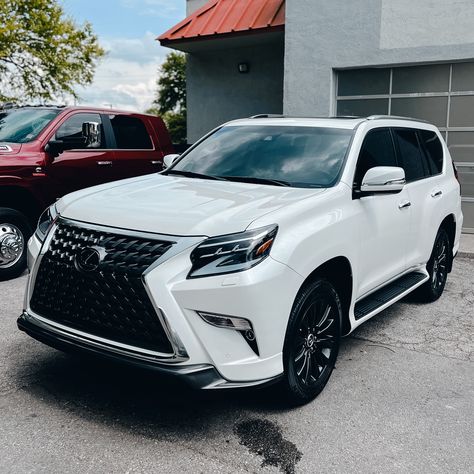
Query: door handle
(155, 162)
(404, 204)
(436, 194)
(104, 163)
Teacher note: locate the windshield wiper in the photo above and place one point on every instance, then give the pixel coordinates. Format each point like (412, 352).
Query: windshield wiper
(192, 174)
(256, 180)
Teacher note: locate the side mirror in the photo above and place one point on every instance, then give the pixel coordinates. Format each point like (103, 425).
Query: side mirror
(383, 179)
(91, 134)
(168, 160)
(54, 148)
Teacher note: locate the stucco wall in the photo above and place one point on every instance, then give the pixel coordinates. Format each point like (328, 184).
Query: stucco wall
(217, 92)
(322, 35)
(193, 5)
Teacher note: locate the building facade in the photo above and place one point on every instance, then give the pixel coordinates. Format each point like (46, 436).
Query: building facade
(320, 58)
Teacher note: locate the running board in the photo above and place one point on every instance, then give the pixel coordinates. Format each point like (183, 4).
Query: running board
(394, 291)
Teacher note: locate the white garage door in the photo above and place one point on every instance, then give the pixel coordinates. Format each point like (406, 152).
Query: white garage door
(440, 93)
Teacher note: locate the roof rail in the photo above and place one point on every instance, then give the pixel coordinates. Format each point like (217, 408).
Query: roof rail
(13, 105)
(267, 116)
(395, 117)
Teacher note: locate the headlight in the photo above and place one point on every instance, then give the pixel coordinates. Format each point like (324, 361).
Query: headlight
(45, 222)
(232, 253)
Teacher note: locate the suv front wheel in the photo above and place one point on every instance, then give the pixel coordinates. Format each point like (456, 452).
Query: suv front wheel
(312, 341)
(14, 234)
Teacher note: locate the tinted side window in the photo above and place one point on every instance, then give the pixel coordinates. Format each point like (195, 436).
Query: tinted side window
(411, 156)
(377, 150)
(433, 149)
(130, 133)
(71, 129)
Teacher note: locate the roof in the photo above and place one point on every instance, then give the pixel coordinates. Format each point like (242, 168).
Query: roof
(230, 18)
(331, 122)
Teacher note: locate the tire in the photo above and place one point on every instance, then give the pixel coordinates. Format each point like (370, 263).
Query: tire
(438, 267)
(15, 231)
(311, 342)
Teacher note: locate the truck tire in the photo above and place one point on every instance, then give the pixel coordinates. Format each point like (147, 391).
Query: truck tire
(15, 230)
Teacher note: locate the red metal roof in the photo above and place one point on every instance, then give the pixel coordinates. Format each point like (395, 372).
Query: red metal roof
(228, 17)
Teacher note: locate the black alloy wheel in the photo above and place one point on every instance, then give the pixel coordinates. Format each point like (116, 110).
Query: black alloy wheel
(437, 267)
(312, 341)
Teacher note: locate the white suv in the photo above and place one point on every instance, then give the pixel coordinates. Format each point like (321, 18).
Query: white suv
(248, 258)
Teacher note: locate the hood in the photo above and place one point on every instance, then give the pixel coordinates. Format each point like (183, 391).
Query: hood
(178, 206)
(9, 148)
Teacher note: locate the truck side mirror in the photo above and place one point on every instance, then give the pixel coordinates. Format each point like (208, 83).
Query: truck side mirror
(54, 148)
(91, 134)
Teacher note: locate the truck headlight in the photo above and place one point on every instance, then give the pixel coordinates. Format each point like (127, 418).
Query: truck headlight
(45, 222)
(232, 253)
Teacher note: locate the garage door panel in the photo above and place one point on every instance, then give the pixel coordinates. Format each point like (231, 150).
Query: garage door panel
(433, 109)
(362, 108)
(468, 211)
(466, 177)
(416, 79)
(363, 82)
(461, 113)
(463, 77)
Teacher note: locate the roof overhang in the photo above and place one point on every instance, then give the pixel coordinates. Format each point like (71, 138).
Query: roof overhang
(239, 22)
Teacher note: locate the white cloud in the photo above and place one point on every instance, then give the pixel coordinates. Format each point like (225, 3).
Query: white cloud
(158, 8)
(126, 77)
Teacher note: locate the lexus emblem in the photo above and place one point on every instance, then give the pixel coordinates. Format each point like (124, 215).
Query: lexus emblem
(89, 258)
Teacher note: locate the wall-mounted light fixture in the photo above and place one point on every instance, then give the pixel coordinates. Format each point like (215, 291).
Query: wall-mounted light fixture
(244, 68)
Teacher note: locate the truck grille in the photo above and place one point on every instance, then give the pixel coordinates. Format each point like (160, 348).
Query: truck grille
(104, 297)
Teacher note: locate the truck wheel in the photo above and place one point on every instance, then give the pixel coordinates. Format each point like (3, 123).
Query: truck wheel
(437, 267)
(311, 341)
(15, 231)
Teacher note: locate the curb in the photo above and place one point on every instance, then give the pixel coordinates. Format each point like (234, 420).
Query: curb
(465, 255)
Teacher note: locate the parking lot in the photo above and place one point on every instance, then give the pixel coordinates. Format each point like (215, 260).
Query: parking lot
(400, 400)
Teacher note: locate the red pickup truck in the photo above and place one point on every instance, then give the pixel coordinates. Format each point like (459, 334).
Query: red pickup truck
(49, 151)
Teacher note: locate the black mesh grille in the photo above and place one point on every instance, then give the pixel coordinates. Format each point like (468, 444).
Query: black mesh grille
(109, 301)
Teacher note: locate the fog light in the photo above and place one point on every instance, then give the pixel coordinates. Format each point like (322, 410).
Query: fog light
(224, 321)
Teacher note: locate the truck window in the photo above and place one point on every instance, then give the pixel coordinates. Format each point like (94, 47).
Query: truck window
(71, 129)
(130, 133)
(24, 124)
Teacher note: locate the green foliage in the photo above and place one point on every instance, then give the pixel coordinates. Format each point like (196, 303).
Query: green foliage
(171, 94)
(176, 123)
(170, 101)
(43, 53)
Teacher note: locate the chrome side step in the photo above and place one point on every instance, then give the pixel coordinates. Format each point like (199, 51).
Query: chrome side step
(384, 297)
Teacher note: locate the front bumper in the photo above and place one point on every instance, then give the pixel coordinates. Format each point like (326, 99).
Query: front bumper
(198, 376)
(263, 295)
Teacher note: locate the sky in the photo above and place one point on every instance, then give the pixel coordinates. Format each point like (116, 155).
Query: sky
(127, 30)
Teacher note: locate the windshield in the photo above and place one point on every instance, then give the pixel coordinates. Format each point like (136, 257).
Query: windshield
(24, 125)
(296, 155)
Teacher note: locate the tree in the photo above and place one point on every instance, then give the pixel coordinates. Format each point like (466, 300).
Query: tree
(43, 53)
(170, 100)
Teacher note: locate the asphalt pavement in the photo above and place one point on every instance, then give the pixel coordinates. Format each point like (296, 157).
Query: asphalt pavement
(400, 400)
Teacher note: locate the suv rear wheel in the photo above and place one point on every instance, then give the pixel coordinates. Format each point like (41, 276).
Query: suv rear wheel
(437, 266)
(311, 341)
(14, 234)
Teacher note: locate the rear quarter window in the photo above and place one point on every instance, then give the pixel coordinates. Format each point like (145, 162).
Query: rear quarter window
(130, 133)
(412, 159)
(433, 149)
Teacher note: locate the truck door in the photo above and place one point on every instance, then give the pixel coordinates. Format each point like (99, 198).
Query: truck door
(135, 153)
(82, 166)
